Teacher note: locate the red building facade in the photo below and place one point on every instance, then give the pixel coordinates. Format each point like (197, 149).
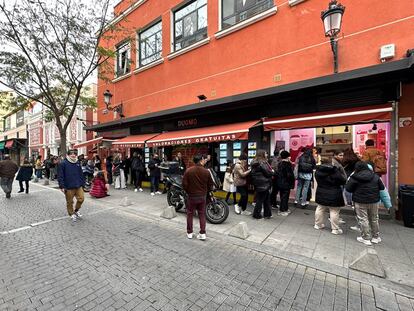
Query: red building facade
(206, 63)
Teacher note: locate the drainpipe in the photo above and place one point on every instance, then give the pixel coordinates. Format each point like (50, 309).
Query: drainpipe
(394, 159)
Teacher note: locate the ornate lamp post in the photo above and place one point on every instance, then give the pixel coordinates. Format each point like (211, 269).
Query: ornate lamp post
(107, 100)
(332, 19)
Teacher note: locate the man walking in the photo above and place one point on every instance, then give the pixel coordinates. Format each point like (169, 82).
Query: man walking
(197, 182)
(7, 171)
(71, 181)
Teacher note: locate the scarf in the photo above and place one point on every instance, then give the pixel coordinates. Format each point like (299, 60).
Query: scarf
(70, 159)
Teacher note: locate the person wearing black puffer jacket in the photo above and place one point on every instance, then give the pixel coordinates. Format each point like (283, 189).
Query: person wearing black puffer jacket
(329, 195)
(285, 182)
(261, 175)
(365, 187)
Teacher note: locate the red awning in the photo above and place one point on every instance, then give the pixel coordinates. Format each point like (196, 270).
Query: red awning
(9, 144)
(89, 142)
(134, 141)
(235, 131)
(330, 118)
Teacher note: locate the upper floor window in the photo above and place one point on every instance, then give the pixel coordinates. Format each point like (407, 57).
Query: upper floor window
(190, 24)
(150, 44)
(7, 123)
(236, 11)
(123, 59)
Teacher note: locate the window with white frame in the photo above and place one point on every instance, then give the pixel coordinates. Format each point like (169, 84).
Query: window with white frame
(190, 24)
(150, 44)
(236, 11)
(123, 59)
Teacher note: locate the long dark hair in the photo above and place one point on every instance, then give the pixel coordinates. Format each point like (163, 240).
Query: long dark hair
(350, 157)
(261, 155)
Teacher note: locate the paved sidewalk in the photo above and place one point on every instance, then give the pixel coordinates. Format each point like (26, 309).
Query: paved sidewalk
(295, 237)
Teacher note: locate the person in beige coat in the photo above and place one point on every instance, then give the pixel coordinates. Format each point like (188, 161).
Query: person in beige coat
(228, 183)
(240, 173)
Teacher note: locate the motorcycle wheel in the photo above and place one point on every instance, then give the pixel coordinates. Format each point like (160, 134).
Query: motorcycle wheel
(217, 212)
(174, 199)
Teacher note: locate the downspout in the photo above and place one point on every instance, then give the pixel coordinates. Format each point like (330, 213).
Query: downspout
(394, 159)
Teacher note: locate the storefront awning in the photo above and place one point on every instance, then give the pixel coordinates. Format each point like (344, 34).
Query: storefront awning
(9, 144)
(331, 118)
(134, 141)
(88, 142)
(235, 131)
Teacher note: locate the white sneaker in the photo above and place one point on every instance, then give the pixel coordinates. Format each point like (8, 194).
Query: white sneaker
(246, 213)
(318, 227)
(78, 215)
(190, 235)
(376, 240)
(254, 203)
(201, 236)
(289, 211)
(362, 240)
(237, 209)
(140, 189)
(355, 228)
(158, 192)
(337, 232)
(296, 202)
(135, 190)
(74, 218)
(152, 193)
(283, 214)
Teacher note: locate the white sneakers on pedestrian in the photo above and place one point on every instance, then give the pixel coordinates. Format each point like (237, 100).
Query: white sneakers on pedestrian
(246, 213)
(376, 240)
(282, 214)
(318, 227)
(74, 218)
(337, 231)
(201, 236)
(355, 228)
(254, 203)
(135, 190)
(190, 235)
(78, 215)
(152, 193)
(362, 240)
(140, 189)
(158, 192)
(237, 209)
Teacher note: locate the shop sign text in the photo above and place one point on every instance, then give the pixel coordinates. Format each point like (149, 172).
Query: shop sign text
(197, 140)
(187, 123)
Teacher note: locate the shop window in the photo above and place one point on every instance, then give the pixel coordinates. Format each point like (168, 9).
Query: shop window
(236, 11)
(190, 24)
(123, 59)
(150, 44)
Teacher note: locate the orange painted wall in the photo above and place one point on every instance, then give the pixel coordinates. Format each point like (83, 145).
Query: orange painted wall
(290, 43)
(406, 138)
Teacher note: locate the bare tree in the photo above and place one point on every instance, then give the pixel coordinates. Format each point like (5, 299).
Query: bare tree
(52, 48)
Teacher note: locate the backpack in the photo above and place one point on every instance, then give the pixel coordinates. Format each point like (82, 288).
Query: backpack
(380, 163)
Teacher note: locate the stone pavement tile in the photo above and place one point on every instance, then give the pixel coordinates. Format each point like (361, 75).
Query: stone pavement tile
(330, 254)
(385, 300)
(404, 303)
(300, 250)
(368, 303)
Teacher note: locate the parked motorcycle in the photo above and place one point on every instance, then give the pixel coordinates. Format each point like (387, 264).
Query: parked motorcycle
(217, 210)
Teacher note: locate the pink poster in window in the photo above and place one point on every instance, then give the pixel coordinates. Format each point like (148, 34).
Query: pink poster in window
(299, 139)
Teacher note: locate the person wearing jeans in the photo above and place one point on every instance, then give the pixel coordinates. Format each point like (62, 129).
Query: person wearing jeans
(365, 186)
(240, 173)
(197, 182)
(306, 164)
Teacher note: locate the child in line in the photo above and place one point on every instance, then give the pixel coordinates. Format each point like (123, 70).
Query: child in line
(100, 187)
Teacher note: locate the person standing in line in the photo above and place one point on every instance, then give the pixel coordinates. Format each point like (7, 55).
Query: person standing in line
(155, 174)
(306, 165)
(338, 157)
(285, 182)
(262, 175)
(348, 162)
(197, 182)
(275, 190)
(365, 186)
(71, 182)
(24, 175)
(108, 164)
(228, 183)
(38, 167)
(127, 168)
(137, 171)
(118, 172)
(329, 195)
(97, 162)
(240, 173)
(181, 163)
(7, 171)
(375, 156)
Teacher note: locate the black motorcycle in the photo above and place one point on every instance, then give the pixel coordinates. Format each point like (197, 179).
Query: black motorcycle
(217, 210)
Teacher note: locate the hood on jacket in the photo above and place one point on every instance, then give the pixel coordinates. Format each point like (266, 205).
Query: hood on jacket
(254, 163)
(325, 169)
(364, 176)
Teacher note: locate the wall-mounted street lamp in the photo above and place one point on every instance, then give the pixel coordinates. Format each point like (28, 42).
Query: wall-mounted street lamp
(107, 100)
(332, 19)
(201, 98)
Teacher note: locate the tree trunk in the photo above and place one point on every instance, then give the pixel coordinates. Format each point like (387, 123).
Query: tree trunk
(63, 141)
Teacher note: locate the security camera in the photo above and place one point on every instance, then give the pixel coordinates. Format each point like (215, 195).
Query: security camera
(105, 111)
